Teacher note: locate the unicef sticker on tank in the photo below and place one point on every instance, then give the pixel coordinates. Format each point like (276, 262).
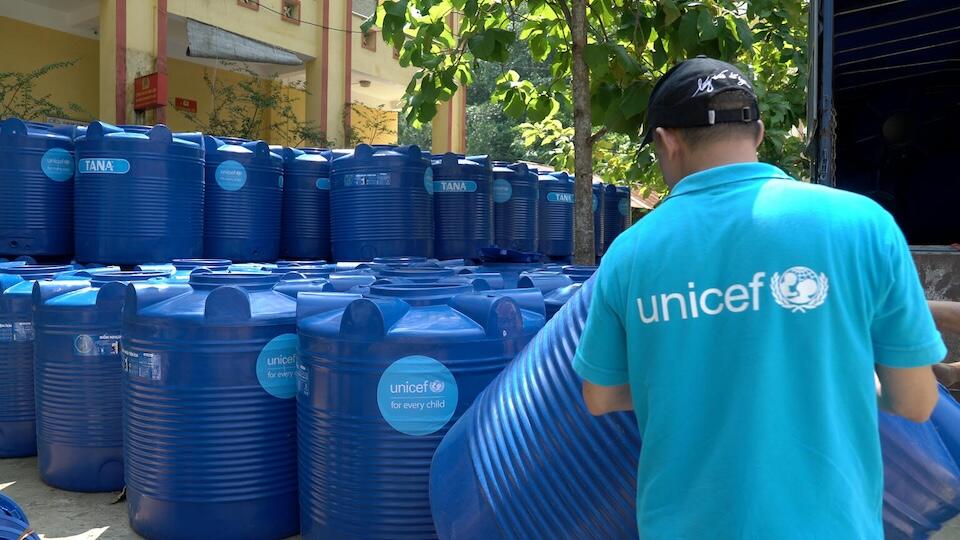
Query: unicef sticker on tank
(417, 395)
(428, 180)
(103, 166)
(323, 184)
(623, 206)
(231, 175)
(502, 191)
(277, 366)
(596, 202)
(57, 164)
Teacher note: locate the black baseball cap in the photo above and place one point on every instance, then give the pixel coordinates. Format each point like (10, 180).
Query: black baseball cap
(681, 98)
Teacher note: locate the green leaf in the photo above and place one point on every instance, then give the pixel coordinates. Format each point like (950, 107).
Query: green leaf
(687, 33)
(744, 33)
(395, 8)
(482, 46)
(670, 11)
(706, 25)
(627, 62)
(660, 57)
(635, 99)
(515, 105)
(596, 56)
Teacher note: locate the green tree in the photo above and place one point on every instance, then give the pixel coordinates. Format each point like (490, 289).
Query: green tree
(18, 97)
(629, 44)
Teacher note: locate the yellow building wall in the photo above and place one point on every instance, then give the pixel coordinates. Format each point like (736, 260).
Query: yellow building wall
(374, 125)
(27, 47)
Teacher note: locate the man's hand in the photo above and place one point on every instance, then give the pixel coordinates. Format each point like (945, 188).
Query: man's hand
(607, 399)
(946, 315)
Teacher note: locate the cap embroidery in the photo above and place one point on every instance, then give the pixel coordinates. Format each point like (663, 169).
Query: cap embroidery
(705, 86)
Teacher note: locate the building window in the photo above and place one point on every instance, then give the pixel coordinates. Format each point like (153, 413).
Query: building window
(290, 11)
(368, 40)
(249, 4)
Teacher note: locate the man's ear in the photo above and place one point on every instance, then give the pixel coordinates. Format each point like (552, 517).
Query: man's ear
(760, 134)
(668, 142)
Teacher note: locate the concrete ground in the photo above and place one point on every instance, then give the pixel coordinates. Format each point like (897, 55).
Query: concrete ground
(62, 515)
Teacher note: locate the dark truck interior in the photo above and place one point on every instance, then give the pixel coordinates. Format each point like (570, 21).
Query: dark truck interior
(896, 109)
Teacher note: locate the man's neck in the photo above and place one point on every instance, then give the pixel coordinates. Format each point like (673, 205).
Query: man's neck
(718, 156)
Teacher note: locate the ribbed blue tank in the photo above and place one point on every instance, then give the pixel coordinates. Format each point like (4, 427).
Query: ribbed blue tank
(599, 202)
(381, 379)
(381, 204)
(209, 415)
(36, 190)
(556, 215)
(77, 375)
(17, 406)
(613, 212)
(305, 232)
(244, 192)
(14, 524)
(623, 205)
(462, 205)
(138, 197)
(515, 195)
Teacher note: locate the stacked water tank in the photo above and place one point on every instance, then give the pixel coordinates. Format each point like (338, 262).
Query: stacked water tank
(244, 191)
(381, 203)
(516, 191)
(384, 375)
(209, 414)
(36, 190)
(599, 200)
(462, 205)
(305, 232)
(138, 196)
(556, 215)
(616, 212)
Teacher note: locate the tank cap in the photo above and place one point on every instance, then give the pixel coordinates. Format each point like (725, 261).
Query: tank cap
(35, 271)
(247, 280)
(420, 291)
(190, 264)
(99, 280)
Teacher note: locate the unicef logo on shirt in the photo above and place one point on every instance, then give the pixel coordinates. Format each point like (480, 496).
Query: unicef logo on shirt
(799, 289)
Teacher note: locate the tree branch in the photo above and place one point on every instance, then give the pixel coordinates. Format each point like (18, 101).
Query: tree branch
(598, 135)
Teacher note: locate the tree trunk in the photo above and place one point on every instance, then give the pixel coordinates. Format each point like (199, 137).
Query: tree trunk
(583, 248)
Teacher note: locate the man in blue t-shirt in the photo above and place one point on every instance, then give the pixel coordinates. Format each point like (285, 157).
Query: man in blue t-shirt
(743, 321)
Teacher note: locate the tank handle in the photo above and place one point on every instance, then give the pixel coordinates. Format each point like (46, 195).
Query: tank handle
(372, 316)
(260, 149)
(527, 299)
(499, 316)
(144, 294)
(545, 281)
(227, 304)
(161, 134)
(45, 290)
(290, 154)
(363, 151)
(13, 127)
(192, 136)
(97, 130)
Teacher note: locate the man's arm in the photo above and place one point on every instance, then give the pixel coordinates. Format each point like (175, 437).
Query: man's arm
(907, 392)
(946, 315)
(607, 399)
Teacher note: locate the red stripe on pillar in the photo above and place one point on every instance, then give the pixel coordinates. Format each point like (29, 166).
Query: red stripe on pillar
(162, 51)
(348, 70)
(121, 86)
(325, 65)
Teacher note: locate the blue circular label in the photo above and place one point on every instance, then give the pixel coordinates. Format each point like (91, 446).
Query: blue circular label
(280, 181)
(323, 184)
(624, 206)
(428, 180)
(231, 175)
(502, 191)
(277, 366)
(57, 164)
(417, 395)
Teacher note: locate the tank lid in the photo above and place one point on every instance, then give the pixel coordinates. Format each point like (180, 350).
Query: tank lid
(420, 291)
(288, 264)
(101, 279)
(247, 280)
(579, 274)
(400, 261)
(418, 272)
(35, 271)
(13, 127)
(190, 264)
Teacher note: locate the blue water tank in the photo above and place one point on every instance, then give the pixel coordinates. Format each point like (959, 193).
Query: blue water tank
(209, 415)
(17, 407)
(579, 274)
(515, 194)
(425, 351)
(616, 211)
(306, 205)
(556, 215)
(510, 272)
(462, 205)
(14, 524)
(244, 192)
(381, 204)
(236, 141)
(557, 289)
(36, 191)
(599, 202)
(138, 196)
(77, 375)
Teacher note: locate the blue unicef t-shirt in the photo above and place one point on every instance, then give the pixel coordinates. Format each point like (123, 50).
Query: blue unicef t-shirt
(747, 313)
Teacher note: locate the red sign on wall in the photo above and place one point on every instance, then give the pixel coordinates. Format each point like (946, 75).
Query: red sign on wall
(186, 105)
(150, 91)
